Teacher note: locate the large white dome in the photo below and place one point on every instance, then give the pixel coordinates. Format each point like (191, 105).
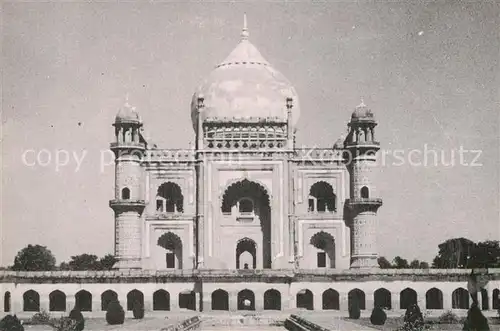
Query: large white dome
(245, 86)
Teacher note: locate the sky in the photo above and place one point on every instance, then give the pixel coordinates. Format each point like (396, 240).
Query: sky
(428, 70)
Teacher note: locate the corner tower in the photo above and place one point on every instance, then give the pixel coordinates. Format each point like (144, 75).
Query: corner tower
(360, 155)
(128, 203)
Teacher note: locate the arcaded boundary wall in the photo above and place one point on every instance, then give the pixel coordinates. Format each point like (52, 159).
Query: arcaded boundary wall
(206, 290)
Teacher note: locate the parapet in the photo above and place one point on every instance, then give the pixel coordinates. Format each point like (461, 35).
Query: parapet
(260, 275)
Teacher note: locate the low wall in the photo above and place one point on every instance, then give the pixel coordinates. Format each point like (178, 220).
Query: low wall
(309, 289)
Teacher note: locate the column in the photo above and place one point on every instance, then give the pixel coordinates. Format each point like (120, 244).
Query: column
(70, 303)
(120, 135)
(200, 221)
(207, 301)
(285, 301)
(174, 301)
(396, 300)
(292, 300)
(233, 300)
(447, 303)
(490, 297)
(344, 301)
(148, 300)
(421, 300)
(96, 302)
(44, 301)
(16, 302)
(259, 301)
(291, 241)
(369, 301)
(318, 301)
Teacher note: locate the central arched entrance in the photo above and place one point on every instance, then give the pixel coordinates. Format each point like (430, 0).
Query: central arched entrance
(247, 203)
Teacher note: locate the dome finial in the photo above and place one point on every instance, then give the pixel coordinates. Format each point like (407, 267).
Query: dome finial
(127, 103)
(362, 104)
(126, 100)
(244, 31)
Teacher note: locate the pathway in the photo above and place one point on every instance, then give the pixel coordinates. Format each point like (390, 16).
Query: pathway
(332, 322)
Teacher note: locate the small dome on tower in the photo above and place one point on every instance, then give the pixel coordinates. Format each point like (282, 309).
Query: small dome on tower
(127, 114)
(245, 86)
(362, 113)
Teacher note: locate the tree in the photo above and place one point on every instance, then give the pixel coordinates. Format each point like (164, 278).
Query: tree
(107, 262)
(400, 263)
(64, 266)
(84, 262)
(454, 253)
(34, 258)
(464, 253)
(485, 254)
(415, 264)
(384, 263)
(423, 265)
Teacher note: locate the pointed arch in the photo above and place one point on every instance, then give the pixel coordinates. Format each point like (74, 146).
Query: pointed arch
(485, 304)
(6, 302)
(220, 300)
(407, 297)
(57, 301)
(256, 192)
(106, 297)
(382, 298)
(187, 300)
(246, 261)
(460, 299)
(434, 299)
(365, 192)
(134, 297)
(83, 300)
(324, 243)
(357, 295)
(305, 299)
(172, 243)
(161, 300)
(169, 198)
(272, 300)
(246, 300)
(330, 299)
(496, 299)
(322, 197)
(31, 301)
(125, 193)
(243, 188)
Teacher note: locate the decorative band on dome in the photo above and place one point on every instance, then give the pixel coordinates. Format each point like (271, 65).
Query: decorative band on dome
(239, 63)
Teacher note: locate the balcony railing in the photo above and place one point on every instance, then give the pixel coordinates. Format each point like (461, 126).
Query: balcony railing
(365, 201)
(128, 145)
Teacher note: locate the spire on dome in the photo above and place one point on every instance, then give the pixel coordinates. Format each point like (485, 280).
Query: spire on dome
(362, 104)
(244, 52)
(244, 31)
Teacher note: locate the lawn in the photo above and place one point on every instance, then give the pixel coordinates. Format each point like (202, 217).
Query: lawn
(393, 323)
(100, 324)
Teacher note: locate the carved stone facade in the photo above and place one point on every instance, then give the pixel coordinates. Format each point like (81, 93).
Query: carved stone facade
(245, 197)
